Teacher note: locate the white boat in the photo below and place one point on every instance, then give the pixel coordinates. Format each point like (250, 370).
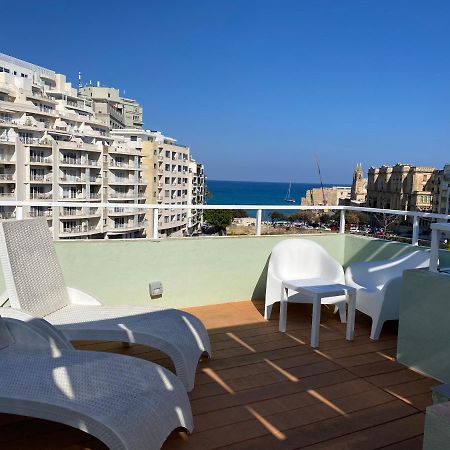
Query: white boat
(288, 197)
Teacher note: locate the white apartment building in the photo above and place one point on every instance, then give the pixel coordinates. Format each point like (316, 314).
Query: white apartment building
(171, 177)
(53, 148)
(112, 109)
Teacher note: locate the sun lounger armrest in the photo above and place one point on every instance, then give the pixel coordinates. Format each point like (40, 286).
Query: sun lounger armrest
(78, 297)
(32, 332)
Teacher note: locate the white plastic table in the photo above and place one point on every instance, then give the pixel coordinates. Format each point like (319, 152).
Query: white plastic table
(316, 291)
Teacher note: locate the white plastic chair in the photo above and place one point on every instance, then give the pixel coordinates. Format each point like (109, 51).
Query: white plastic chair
(378, 286)
(301, 259)
(35, 283)
(127, 403)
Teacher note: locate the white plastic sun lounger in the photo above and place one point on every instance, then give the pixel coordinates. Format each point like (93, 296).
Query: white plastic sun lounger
(127, 403)
(35, 284)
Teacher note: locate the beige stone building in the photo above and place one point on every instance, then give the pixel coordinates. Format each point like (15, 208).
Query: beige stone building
(112, 109)
(170, 176)
(403, 186)
(331, 196)
(441, 190)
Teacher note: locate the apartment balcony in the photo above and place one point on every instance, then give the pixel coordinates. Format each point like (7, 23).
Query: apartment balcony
(79, 212)
(41, 178)
(264, 389)
(124, 211)
(118, 195)
(95, 195)
(95, 180)
(122, 165)
(79, 230)
(41, 195)
(7, 196)
(7, 177)
(45, 160)
(5, 215)
(7, 159)
(7, 140)
(72, 179)
(72, 162)
(40, 213)
(121, 180)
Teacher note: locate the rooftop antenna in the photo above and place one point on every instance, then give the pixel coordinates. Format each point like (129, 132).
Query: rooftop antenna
(80, 84)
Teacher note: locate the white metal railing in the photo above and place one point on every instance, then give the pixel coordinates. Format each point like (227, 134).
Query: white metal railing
(156, 208)
(436, 230)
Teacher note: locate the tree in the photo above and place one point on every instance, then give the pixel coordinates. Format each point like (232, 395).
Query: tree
(239, 213)
(276, 216)
(387, 220)
(219, 218)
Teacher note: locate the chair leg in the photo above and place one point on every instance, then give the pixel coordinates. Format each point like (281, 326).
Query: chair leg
(377, 325)
(267, 311)
(342, 307)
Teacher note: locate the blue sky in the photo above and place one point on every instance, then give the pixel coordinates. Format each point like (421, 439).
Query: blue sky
(258, 88)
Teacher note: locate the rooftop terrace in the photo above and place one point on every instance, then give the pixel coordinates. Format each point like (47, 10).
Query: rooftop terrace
(263, 388)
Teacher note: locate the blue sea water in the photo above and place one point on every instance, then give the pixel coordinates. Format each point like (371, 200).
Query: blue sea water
(256, 193)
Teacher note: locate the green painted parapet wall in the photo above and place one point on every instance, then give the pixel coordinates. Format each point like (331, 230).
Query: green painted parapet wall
(424, 327)
(194, 271)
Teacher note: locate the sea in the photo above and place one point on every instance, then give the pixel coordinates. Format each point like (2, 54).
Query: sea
(256, 193)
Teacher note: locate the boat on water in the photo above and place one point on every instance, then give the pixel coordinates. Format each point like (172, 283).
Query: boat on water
(288, 197)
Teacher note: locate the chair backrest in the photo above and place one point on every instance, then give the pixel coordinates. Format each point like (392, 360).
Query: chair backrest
(293, 259)
(375, 274)
(6, 338)
(33, 276)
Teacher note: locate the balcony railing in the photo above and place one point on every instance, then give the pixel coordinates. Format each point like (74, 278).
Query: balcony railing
(6, 177)
(34, 177)
(40, 213)
(72, 161)
(158, 208)
(41, 195)
(7, 215)
(7, 139)
(41, 159)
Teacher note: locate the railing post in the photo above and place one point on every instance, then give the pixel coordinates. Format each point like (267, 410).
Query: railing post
(434, 254)
(258, 222)
(415, 231)
(155, 223)
(342, 222)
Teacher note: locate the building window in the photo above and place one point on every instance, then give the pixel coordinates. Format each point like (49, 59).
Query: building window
(133, 138)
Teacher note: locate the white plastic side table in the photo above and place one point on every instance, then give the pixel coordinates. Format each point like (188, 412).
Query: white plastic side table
(317, 292)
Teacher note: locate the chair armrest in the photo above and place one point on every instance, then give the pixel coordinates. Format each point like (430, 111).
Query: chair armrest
(31, 332)
(77, 297)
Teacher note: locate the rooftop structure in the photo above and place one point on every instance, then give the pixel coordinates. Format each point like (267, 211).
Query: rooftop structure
(112, 109)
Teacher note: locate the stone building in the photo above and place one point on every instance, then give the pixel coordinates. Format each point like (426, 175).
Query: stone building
(403, 186)
(359, 187)
(441, 190)
(331, 196)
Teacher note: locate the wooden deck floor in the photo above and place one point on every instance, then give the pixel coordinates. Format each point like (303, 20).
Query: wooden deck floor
(268, 390)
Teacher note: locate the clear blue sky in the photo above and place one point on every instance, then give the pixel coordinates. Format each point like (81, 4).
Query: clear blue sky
(257, 87)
